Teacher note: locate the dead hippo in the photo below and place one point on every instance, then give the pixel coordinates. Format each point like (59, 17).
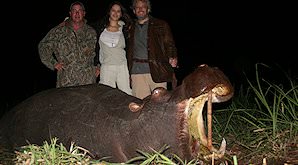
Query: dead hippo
(109, 123)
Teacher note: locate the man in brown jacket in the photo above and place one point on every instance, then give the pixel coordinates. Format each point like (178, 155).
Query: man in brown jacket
(151, 53)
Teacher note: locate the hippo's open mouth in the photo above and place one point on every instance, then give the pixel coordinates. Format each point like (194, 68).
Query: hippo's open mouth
(194, 111)
(205, 85)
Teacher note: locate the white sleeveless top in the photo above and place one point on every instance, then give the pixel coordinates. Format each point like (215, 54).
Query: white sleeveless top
(112, 46)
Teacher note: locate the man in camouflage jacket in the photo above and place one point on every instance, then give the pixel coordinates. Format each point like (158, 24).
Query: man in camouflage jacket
(70, 49)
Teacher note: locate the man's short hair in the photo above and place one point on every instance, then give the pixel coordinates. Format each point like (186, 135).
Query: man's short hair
(145, 1)
(77, 3)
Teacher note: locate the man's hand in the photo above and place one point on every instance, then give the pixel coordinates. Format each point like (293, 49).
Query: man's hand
(59, 66)
(97, 71)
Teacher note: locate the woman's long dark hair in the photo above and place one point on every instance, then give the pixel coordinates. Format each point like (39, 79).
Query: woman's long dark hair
(125, 17)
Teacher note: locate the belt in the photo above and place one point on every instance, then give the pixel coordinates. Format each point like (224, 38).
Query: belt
(141, 60)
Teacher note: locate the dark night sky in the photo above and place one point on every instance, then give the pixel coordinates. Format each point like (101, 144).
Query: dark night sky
(230, 35)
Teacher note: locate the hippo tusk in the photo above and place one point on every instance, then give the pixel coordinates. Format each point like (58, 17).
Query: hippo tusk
(209, 120)
(217, 154)
(222, 148)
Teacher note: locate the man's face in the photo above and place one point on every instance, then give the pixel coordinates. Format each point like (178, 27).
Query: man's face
(141, 10)
(77, 13)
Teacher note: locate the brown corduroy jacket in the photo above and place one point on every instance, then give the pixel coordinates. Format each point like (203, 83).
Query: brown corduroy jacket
(161, 46)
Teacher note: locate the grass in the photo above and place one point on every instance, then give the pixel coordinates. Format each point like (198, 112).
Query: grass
(263, 121)
(260, 125)
(52, 154)
(56, 154)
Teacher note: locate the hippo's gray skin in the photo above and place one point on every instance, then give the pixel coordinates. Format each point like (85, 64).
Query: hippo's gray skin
(110, 123)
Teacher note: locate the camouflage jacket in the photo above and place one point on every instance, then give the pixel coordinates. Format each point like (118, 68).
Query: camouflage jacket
(76, 50)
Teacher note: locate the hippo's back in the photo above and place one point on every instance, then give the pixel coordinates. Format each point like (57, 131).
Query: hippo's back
(71, 112)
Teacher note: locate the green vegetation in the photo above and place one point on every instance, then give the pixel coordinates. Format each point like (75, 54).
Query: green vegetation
(260, 125)
(261, 122)
(52, 154)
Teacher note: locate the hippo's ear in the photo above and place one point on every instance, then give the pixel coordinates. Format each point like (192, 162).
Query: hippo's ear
(134, 107)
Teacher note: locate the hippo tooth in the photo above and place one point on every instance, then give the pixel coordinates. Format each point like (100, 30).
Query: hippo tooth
(221, 93)
(217, 154)
(223, 145)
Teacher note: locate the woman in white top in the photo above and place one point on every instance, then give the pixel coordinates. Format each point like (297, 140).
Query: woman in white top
(111, 48)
